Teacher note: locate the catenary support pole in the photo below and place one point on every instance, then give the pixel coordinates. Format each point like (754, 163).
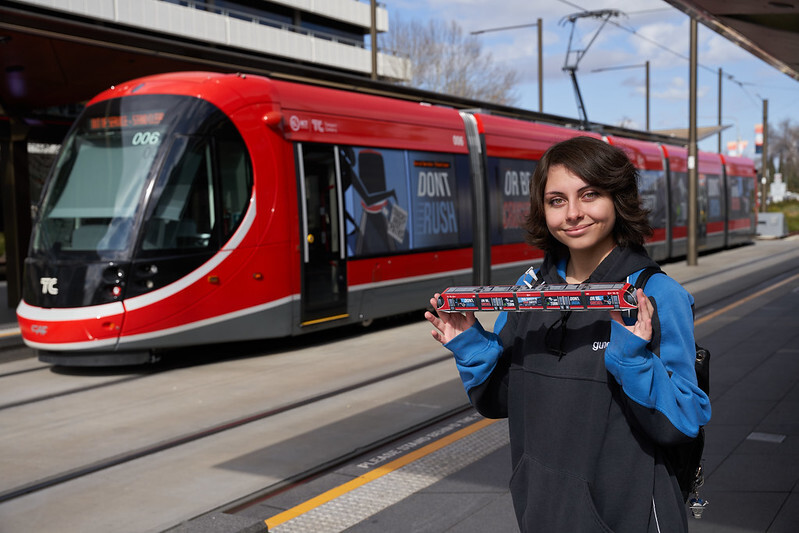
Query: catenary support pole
(764, 155)
(693, 177)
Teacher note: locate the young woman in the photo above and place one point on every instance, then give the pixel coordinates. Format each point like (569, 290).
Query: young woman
(589, 405)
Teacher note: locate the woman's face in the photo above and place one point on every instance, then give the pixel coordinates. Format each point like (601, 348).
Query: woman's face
(578, 215)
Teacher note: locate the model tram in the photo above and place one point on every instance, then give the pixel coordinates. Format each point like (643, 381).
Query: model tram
(191, 208)
(542, 297)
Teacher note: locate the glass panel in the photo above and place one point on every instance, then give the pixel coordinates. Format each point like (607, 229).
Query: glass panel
(397, 200)
(184, 216)
(654, 197)
(435, 201)
(98, 184)
(376, 196)
(509, 186)
(679, 195)
(715, 204)
(91, 205)
(235, 177)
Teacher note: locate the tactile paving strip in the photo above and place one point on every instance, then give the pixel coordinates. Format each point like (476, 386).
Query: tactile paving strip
(361, 503)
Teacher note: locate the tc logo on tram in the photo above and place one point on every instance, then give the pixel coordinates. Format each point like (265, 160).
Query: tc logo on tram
(49, 285)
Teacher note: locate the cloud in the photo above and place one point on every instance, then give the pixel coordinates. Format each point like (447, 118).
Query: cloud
(662, 42)
(677, 89)
(720, 51)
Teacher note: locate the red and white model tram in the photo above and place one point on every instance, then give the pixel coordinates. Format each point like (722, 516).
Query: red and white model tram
(541, 297)
(190, 208)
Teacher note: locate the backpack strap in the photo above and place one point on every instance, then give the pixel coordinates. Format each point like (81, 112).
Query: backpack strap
(644, 276)
(640, 283)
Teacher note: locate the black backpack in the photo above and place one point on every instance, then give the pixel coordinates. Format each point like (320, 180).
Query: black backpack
(685, 459)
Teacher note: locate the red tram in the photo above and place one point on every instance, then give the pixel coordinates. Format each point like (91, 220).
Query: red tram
(191, 208)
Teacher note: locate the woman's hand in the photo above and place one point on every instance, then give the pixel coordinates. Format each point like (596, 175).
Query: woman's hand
(448, 325)
(643, 326)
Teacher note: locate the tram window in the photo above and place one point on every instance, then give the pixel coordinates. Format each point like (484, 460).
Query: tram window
(207, 188)
(679, 195)
(741, 197)
(98, 182)
(440, 200)
(184, 216)
(509, 193)
(652, 190)
(236, 182)
(376, 200)
(714, 197)
(397, 200)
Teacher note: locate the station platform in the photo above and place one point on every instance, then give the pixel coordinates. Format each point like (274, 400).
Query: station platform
(454, 477)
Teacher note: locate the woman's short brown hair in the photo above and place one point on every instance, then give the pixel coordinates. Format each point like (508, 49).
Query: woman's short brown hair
(600, 165)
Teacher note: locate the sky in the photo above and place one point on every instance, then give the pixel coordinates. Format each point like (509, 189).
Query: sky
(648, 30)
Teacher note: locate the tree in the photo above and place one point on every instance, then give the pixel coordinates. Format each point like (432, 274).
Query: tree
(784, 145)
(444, 60)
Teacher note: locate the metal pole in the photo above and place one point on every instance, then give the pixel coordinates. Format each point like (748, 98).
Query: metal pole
(16, 202)
(373, 35)
(693, 204)
(540, 66)
(720, 110)
(540, 25)
(647, 95)
(764, 154)
(481, 242)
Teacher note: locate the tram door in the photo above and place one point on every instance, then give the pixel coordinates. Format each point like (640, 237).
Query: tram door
(324, 267)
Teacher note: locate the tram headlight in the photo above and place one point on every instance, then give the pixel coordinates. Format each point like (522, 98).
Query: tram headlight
(143, 277)
(113, 274)
(114, 281)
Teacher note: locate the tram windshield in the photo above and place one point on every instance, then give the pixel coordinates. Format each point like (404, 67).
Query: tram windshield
(109, 167)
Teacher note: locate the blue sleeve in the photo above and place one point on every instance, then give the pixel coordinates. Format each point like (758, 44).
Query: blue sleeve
(666, 384)
(476, 354)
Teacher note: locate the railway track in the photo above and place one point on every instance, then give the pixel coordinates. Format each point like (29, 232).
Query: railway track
(228, 425)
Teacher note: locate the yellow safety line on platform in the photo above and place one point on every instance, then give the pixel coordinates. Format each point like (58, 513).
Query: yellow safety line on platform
(339, 491)
(9, 333)
(723, 310)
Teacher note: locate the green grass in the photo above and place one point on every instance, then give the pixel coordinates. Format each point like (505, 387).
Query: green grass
(791, 210)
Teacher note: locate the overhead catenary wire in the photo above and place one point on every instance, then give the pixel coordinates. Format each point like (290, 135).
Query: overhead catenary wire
(665, 48)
